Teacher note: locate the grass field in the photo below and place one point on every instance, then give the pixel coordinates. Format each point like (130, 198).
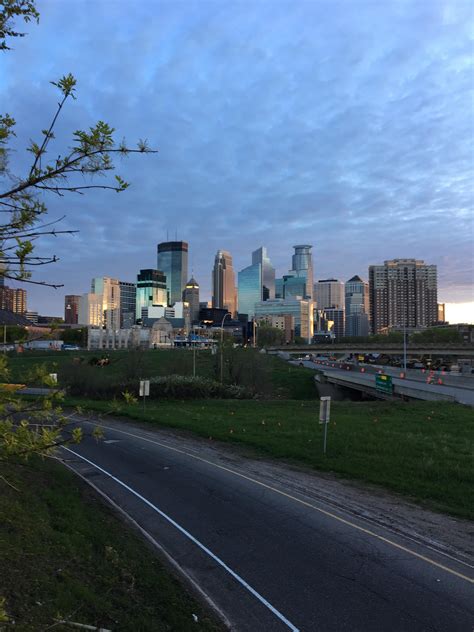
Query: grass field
(287, 381)
(418, 449)
(64, 555)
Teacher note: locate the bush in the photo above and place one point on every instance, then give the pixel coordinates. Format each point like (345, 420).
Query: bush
(187, 387)
(89, 381)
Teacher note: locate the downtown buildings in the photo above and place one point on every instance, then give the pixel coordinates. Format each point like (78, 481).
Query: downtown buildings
(328, 309)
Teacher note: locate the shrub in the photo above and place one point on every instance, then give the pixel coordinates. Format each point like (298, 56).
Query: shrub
(89, 381)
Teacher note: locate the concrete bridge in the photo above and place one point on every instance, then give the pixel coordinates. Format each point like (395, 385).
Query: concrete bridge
(430, 385)
(451, 351)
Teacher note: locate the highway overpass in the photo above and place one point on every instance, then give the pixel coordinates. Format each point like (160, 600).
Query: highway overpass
(428, 386)
(455, 351)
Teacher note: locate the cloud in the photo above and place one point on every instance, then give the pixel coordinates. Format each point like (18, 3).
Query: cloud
(344, 125)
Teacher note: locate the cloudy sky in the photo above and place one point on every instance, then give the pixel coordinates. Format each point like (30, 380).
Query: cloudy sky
(344, 124)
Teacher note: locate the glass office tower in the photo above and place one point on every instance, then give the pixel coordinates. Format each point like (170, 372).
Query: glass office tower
(357, 307)
(128, 298)
(173, 262)
(268, 273)
(250, 289)
(302, 267)
(151, 290)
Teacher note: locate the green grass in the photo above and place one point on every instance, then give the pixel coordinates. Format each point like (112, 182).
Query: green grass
(287, 381)
(422, 450)
(63, 554)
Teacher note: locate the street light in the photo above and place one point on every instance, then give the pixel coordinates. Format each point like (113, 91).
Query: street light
(222, 346)
(255, 325)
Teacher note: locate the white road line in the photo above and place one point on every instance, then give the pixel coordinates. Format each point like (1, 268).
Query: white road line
(204, 548)
(305, 503)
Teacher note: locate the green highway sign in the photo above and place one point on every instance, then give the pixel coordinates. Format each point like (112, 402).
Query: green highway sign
(383, 383)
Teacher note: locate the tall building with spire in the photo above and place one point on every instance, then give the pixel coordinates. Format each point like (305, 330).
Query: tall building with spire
(224, 293)
(191, 296)
(173, 262)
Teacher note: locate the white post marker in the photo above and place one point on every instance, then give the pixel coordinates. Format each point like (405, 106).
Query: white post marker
(324, 415)
(54, 377)
(144, 390)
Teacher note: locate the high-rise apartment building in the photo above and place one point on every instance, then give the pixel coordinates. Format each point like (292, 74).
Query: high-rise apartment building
(151, 290)
(173, 262)
(71, 309)
(357, 307)
(402, 293)
(128, 300)
(110, 290)
(13, 299)
(191, 297)
(91, 311)
(18, 301)
(268, 273)
(329, 293)
(224, 293)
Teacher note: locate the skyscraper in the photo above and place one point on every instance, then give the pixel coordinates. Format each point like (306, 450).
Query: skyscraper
(402, 293)
(224, 293)
(91, 310)
(191, 296)
(173, 262)
(151, 290)
(357, 307)
(329, 293)
(256, 282)
(299, 280)
(268, 273)
(71, 309)
(110, 290)
(128, 300)
(250, 289)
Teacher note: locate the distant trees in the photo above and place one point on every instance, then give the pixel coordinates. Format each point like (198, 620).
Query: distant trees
(268, 336)
(437, 334)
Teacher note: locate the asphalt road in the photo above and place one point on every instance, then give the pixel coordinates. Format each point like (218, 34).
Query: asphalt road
(270, 558)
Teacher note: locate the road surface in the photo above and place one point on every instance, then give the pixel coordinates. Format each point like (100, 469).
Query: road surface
(267, 556)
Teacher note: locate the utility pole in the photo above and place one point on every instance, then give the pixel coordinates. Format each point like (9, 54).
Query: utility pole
(222, 347)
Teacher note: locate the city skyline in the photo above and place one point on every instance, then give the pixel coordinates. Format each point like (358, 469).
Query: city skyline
(325, 132)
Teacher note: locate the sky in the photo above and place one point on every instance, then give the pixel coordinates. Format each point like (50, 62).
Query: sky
(347, 125)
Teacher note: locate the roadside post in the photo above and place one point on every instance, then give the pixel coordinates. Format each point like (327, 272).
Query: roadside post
(324, 415)
(144, 390)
